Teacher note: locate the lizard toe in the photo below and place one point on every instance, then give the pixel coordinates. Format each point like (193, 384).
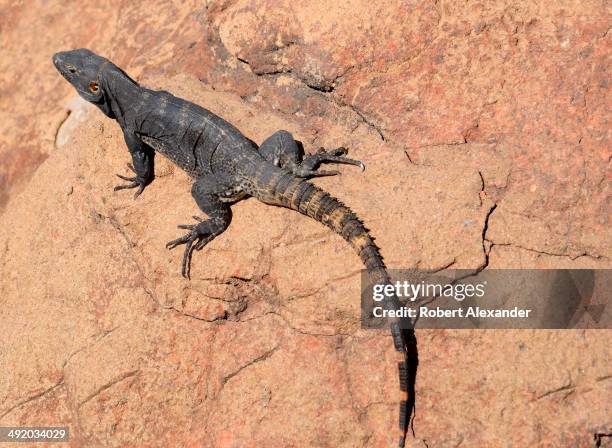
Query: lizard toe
(177, 242)
(139, 191)
(126, 186)
(134, 182)
(129, 179)
(186, 263)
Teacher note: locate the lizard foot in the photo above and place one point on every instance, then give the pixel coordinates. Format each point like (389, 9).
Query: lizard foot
(198, 234)
(134, 182)
(308, 166)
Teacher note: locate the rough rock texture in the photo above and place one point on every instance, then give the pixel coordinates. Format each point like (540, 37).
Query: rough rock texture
(485, 130)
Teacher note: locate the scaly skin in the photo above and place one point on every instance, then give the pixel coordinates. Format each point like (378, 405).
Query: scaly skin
(227, 167)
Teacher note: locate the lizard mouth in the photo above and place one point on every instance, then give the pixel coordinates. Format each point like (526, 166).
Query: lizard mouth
(58, 61)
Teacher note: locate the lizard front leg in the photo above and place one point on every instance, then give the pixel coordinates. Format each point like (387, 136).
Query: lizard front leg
(207, 192)
(142, 164)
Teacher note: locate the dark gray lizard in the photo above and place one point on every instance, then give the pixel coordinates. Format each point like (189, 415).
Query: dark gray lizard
(226, 167)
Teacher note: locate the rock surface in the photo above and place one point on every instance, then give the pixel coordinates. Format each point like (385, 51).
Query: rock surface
(485, 130)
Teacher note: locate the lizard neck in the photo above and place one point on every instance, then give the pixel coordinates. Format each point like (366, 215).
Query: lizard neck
(119, 92)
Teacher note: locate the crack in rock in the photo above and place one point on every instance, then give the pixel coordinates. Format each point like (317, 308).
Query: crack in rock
(322, 89)
(565, 387)
(260, 358)
(33, 397)
(486, 250)
(598, 436)
(108, 385)
(551, 254)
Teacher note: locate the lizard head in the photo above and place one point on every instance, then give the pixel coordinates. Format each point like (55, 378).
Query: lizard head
(85, 70)
(81, 68)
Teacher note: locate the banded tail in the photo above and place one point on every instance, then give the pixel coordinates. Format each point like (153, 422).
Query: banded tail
(284, 189)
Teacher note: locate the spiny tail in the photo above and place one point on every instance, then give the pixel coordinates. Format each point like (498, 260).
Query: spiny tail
(297, 194)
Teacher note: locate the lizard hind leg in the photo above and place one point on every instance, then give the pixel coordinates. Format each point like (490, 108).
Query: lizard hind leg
(282, 150)
(207, 192)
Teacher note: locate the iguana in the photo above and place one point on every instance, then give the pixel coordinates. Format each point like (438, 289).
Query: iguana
(226, 167)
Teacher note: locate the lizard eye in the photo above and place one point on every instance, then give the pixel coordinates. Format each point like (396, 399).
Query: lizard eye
(71, 68)
(93, 87)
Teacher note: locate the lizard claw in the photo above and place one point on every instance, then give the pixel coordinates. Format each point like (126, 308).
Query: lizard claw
(139, 191)
(134, 182)
(193, 240)
(182, 240)
(187, 240)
